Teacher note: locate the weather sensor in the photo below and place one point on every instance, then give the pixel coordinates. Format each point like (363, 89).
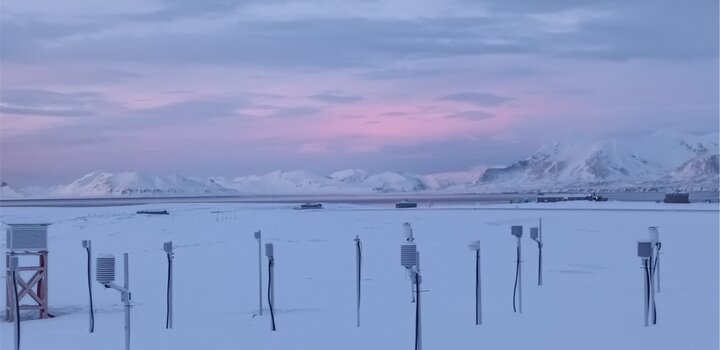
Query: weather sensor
(105, 275)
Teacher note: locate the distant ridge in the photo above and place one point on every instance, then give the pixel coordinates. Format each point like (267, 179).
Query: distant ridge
(661, 161)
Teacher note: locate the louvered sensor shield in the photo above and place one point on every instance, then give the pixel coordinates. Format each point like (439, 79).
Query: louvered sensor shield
(105, 268)
(408, 255)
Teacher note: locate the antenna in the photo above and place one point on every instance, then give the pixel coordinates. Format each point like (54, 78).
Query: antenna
(168, 247)
(534, 234)
(87, 244)
(358, 262)
(105, 275)
(271, 282)
(517, 231)
(645, 251)
(475, 245)
(258, 237)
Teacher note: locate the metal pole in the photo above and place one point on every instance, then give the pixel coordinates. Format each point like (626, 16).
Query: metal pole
(126, 298)
(519, 275)
(358, 263)
(170, 297)
(258, 236)
(540, 245)
(419, 315)
(657, 265)
(540, 228)
(412, 289)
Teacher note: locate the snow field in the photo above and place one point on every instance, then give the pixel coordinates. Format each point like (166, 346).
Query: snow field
(592, 296)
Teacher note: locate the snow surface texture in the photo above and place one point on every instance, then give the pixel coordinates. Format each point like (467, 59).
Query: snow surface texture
(592, 297)
(662, 161)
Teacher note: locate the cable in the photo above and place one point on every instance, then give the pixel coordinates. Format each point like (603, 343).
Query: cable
(657, 257)
(359, 252)
(517, 272)
(89, 273)
(647, 283)
(417, 311)
(167, 296)
(651, 278)
(270, 301)
(17, 305)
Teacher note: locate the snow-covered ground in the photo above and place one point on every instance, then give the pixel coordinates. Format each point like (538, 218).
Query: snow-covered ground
(592, 296)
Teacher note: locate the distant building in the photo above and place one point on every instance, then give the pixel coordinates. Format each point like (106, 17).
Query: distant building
(677, 197)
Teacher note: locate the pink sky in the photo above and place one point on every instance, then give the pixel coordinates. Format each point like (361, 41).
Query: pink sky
(200, 89)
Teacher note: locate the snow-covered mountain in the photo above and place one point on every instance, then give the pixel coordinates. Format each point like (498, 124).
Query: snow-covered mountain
(344, 181)
(285, 182)
(663, 160)
(663, 157)
(394, 182)
(6, 192)
(701, 170)
(454, 180)
(102, 184)
(350, 176)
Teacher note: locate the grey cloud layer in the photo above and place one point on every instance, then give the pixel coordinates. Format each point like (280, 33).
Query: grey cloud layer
(471, 115)
(664, 30)
(477, 98)
(49, 103)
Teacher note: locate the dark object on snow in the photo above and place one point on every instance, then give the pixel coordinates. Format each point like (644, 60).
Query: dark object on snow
(405, 204)
(153, 211)
(544, 198)
(311, 206)
(598, 198)
(677, 197)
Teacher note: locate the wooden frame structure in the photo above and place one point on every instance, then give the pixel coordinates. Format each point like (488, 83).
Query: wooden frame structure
(34, 288)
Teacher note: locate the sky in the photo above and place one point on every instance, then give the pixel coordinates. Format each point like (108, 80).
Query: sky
(231, 88)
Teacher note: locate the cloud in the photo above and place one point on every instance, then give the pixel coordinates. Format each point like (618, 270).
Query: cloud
(394, 114)
(623, 31)
(49, 103)
(335, 97)
(190, 110)
(5, 109)
(477, 98)
(408, 73)
(292, 112)
(471, 115)
(175, 9)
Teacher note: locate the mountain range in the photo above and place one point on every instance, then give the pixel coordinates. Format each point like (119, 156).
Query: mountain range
(661, 161)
